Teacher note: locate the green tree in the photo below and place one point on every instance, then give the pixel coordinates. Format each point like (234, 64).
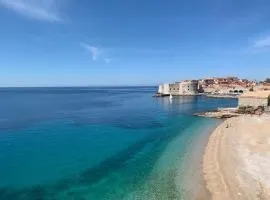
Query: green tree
(267, 80)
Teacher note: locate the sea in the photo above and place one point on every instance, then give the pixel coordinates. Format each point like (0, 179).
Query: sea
(102, 143)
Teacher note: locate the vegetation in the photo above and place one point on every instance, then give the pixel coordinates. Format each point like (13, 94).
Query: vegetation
(261, 193)
(267, 80)
(251, 110)
(245, 110)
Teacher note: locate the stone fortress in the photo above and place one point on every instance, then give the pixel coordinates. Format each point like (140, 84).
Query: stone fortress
(249, 93)
(188, 87)
(210, 86)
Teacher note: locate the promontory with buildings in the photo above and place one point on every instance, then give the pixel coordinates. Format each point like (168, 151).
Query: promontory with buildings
(252, 95)
(214, 86)
(236, 159)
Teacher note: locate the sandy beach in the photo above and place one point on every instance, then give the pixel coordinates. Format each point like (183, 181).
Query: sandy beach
(236, 163)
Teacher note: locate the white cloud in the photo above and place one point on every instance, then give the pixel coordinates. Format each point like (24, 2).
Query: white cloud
(262, 42)
(45, 10)
(95, 51)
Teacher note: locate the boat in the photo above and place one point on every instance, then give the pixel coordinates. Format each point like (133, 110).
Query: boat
(171, 96)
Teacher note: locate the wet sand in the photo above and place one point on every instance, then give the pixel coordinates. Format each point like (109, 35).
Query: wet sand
(236, 163)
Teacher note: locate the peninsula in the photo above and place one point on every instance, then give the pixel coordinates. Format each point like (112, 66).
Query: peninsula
(237, 157)
(212, 87)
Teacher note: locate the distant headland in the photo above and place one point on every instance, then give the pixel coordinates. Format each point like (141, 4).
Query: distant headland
(213, 87)
(253, 97)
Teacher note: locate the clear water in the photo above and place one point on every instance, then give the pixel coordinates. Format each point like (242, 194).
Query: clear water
(100, 143)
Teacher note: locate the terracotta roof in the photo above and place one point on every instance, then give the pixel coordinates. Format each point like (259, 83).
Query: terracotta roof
(257, 94)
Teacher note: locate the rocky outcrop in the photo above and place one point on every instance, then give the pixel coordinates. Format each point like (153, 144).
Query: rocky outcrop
(225, 113)
(160, 95)
(218, 114)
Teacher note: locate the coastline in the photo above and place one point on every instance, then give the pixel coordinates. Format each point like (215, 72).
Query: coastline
(218, 96)
(194, 174)
(222, 96)
(237, 159)
(177, 173)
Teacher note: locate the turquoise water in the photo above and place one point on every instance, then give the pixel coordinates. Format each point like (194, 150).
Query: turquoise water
(100, 143)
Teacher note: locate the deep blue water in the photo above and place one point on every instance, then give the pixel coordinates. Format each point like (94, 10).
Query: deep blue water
(96, 143)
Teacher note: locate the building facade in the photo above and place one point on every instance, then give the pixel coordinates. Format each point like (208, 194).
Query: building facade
(229, 85)
(262, 87)
(189, 87)
(164, 89)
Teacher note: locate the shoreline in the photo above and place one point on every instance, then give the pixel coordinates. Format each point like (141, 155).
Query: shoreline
(190, 178)
(224, 96)
(217, 96)
(237, 158)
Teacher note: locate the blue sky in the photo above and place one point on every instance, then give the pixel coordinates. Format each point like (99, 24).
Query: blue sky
(131, 42)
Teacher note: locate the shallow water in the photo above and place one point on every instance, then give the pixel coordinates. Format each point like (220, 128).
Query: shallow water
(100, 143)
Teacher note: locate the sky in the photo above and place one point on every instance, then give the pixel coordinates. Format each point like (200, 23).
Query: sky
(131, 42)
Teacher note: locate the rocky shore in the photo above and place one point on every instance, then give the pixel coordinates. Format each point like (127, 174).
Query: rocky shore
(225, 113)
(222, 96)
(220, 113)
(160, 95)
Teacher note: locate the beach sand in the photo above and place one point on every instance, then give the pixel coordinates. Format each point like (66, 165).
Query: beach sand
(236, 163)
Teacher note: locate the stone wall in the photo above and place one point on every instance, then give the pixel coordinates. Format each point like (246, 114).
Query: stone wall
(164, 89)
(261, 87)
(255, 102)
(209, 90)
(188, 88)
(174, 88)
(179, 88)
